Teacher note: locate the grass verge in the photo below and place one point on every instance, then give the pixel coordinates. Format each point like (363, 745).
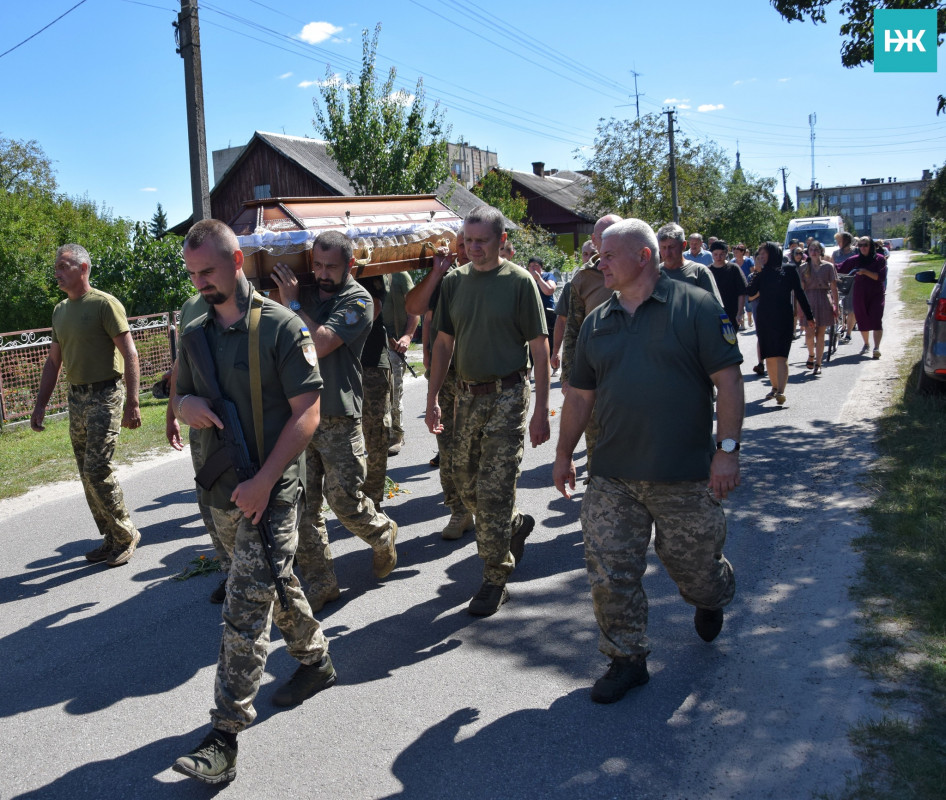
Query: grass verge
(29, 459)
(902, 590)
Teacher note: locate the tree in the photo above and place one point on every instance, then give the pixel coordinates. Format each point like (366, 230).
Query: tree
(747, 211)
(495, 188)
(858, 47)
(25, 168)
(159, 223)
(382, 140)
(787, 204)
(630, 174)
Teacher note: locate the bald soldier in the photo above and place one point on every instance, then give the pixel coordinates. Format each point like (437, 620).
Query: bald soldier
(647, 361)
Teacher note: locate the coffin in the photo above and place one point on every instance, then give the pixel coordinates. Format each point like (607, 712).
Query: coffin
(388, 234)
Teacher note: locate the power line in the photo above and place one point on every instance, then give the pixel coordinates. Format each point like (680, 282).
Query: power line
(42, 29)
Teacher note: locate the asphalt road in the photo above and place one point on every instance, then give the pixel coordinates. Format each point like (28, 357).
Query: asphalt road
(107, 675)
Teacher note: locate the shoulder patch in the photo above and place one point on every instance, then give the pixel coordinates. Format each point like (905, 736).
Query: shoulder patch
(308, 350)
(726, 329)
(354, 315)
(305, 331)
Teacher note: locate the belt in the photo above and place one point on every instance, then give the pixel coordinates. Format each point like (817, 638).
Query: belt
(490, 387)
(94, 387)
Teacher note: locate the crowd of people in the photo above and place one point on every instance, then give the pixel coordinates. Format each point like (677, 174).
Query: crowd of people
(311, 373)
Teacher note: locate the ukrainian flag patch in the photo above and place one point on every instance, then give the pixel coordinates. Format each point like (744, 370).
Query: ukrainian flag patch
(726, 329)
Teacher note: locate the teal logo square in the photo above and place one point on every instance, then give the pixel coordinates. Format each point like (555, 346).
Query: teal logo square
(905, 40)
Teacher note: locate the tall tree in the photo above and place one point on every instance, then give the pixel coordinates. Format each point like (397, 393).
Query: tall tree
(24, 167)
(630, 173)
(858, 27)
(383, 140)
(159, 223)
(495, 188)
(747, 211)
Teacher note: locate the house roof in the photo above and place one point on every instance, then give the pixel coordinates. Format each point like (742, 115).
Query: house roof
(565, 188)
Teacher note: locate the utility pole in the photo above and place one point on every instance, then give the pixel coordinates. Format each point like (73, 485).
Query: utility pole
(673, 167)
(188, 36)
(812, 119)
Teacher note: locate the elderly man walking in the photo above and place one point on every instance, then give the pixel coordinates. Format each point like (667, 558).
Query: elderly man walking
(647, 362)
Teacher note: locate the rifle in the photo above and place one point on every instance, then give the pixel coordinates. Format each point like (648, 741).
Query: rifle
(406, 363)
(234, 452)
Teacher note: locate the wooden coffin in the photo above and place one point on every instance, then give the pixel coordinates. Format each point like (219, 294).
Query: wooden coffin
(389, 234)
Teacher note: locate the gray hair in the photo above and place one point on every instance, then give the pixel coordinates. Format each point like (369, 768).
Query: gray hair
(671, 231)
(638, 232)
(487, 215)
(76, 253)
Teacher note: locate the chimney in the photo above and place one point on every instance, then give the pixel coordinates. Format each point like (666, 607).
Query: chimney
(538, 168)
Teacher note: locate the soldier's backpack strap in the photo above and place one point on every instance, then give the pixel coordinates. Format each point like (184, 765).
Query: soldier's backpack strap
(256, 385)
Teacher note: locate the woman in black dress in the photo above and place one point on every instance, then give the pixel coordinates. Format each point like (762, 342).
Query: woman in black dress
(776, 286)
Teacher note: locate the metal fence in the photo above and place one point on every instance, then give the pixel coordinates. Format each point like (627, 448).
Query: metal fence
(23, 353)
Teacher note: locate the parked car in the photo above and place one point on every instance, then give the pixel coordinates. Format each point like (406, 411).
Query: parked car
(932, 373)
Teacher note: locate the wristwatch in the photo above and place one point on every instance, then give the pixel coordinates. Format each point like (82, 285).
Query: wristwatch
(728, 446)
(294, 305)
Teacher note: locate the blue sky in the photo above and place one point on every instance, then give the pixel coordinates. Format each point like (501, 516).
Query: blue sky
(102, 89)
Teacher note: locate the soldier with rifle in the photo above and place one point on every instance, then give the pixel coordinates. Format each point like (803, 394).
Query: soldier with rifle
(249, 382)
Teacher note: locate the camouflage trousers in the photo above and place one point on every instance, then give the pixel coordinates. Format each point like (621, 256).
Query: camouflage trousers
(250, 609)
(335, 470)
(376, 424)
(446, 444)
(488, 443)
(95, 417)
(690, 529)
(397, 396)
(223, 549)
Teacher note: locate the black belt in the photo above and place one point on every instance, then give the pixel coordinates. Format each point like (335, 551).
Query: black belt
(111, 383)
(490, 387)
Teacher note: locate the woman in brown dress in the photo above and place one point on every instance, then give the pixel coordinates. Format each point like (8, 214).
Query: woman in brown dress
(819, 279)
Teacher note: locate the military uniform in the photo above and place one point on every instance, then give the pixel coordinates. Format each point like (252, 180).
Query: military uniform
(335, 458)
(394, 317)
(287, 369)
(194, 307)
(651, 374)
(446, 439)
(587, 293)
(85, 330)
(492, 316)
(698, 275)
(376, 411)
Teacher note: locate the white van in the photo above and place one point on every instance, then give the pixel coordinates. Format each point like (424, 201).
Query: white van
(822, 228)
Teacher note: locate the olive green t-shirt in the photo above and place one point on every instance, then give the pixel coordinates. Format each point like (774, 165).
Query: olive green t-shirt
(393, 312)
(698, 275)
(651, 374)
(193, 307)
(348, 314)
(288, 368)
(85, 330)
(492, 316)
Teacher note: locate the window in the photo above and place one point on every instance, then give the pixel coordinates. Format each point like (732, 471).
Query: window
(832, 200)
(859, 197)
(914, 192)
(872, 209)
(901, 194)
(872, 195)
(261, 192)
(845, 198)
(886, 195)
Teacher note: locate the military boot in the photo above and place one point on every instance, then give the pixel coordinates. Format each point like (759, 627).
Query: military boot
(214, 760)
(708, 623)
(487, 600)
(318, 596)
(517, 544)
(385, 556)
(122, 555)
(100, 553)
(623, 674)
(460, 522)
(305, 682)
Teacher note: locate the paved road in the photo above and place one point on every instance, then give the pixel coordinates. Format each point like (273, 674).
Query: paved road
(107, 674)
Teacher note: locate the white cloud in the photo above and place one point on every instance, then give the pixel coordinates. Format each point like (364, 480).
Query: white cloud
(749, 80)
(672, 101)
(148, 189)
(784, 80)
(401, 97)
(683, 106)
(315, 32)
(335, 80)
(285, 75)
(710, 107)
